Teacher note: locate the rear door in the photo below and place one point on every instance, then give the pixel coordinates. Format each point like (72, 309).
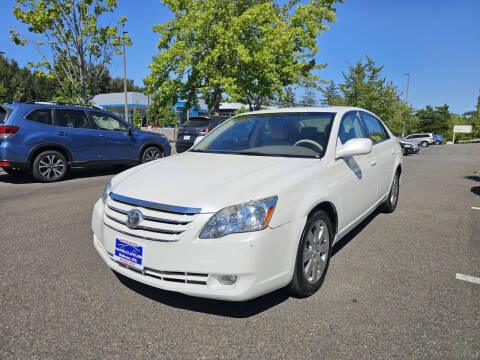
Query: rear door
(385, 151)
(117, 142)
(73, 129)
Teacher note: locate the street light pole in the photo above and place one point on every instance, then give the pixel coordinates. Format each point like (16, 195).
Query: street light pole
(406, 101)
(125, 78)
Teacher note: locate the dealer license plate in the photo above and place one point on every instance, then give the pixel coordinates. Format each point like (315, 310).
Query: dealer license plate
(129, 253)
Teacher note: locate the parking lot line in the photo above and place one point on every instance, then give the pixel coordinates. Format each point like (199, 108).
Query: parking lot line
(475, 208)
(468, 278)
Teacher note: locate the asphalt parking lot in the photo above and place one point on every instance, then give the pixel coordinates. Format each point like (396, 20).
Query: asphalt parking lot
(391, 291)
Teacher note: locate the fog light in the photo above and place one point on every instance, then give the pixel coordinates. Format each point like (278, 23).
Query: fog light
(226, 279)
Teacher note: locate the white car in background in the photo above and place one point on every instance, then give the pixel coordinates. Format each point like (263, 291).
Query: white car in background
(254, 206)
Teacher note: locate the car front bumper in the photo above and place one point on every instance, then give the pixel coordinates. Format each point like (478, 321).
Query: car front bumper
(262, 261)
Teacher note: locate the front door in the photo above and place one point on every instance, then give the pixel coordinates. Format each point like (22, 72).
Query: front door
(118, 144)
(358, 175)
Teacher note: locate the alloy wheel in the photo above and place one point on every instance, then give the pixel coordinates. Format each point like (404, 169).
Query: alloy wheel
(315, 252)
(51, 166)
(152, 154)
(394, 191)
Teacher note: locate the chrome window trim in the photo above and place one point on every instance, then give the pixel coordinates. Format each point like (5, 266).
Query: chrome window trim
(152, 218)
(138, 236)
(155, 206)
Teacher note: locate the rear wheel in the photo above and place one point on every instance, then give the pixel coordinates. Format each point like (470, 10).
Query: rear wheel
(390, 204)
(50, 166)
(313, 255)
(151, 153)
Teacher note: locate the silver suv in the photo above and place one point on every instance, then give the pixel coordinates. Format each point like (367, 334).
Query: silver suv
(423, 139)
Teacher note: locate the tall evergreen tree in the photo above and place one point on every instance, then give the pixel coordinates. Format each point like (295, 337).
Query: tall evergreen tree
(331, 95)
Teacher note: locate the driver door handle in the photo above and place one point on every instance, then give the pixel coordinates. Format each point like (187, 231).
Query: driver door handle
(373, 163)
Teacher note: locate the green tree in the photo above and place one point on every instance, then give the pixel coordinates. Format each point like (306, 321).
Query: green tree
(248, 49)
(331, 95)
(162, 115)
(308, 98)
(364, 87)
(434, 120)
(286, 98)
(476, 121)
(137, 119)
(74, 47)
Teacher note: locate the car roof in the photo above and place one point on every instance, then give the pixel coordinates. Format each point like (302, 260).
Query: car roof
(45, 104)
(326, 109)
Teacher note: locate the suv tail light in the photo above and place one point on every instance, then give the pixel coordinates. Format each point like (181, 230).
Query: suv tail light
(205, 130)
(7, 130)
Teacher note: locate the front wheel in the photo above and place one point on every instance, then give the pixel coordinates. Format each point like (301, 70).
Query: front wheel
(313, 255)
(390, 204)
(151, 153)
(424, 144)
(50, 166)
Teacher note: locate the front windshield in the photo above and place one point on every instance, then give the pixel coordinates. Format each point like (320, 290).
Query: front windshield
(275, 134)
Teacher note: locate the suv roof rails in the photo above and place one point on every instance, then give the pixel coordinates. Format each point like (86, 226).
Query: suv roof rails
(61, 103)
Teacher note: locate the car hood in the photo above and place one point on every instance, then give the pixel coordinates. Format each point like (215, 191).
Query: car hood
(209, 181)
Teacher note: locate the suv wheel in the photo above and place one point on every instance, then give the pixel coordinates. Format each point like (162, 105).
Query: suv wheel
(50, 166)
(313, 255)
(151, 153)
(424, 144)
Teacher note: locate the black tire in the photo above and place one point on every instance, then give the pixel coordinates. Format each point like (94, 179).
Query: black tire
(390, 204)
(15, 172)
(50, 166)
(424, 144)
(300, 286)
(152, 153)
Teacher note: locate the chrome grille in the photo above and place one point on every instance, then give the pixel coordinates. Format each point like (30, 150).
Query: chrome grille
(160, 222)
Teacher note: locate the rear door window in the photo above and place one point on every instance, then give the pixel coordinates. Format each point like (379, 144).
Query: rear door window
(71, 118)
(42, 116)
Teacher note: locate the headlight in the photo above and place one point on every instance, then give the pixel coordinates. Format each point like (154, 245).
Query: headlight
(247, 217)
(106, 192)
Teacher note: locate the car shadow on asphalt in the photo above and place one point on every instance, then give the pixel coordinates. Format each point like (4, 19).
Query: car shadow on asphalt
(241, 309)
(354, 232)
(76, 173)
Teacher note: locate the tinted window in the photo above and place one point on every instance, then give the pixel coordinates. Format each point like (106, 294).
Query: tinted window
(43, 116)
(198, 123)
(107, 122)
(374, 129)
(3, 115)
(71, 118)
(350, 128)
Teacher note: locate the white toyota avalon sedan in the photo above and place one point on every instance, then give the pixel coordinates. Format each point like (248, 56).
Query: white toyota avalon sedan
(254, 206)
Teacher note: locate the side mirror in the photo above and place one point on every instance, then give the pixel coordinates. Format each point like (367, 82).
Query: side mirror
(358, 146)
(197, 140)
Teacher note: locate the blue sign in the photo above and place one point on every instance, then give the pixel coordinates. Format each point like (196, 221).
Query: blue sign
(129, 253)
